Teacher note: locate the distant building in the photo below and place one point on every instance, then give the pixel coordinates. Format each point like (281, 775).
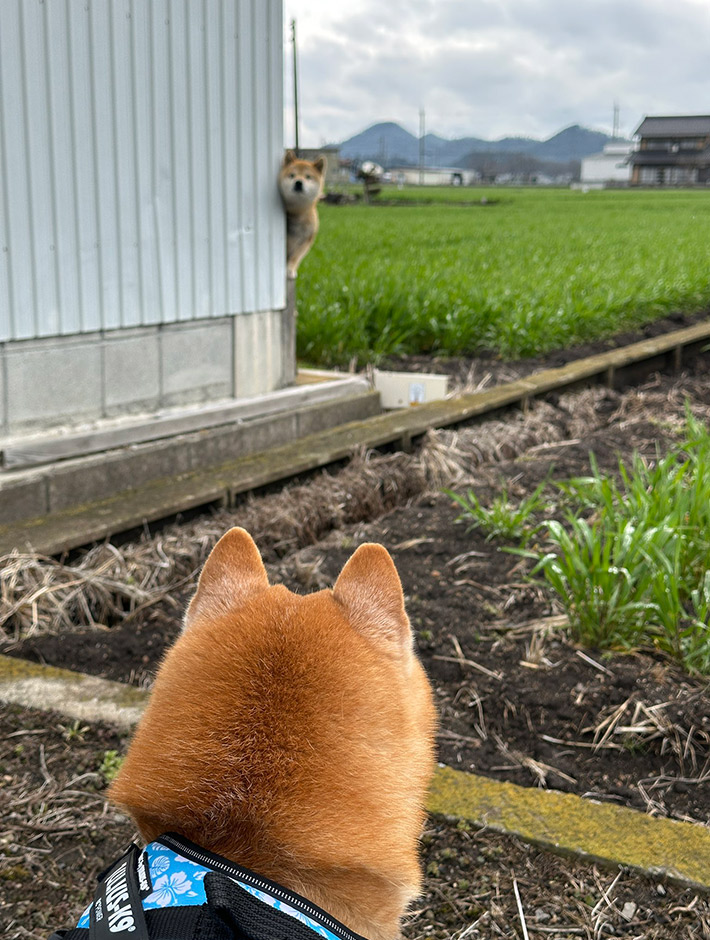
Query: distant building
(433, 176)
(609, 168)
(672, 151)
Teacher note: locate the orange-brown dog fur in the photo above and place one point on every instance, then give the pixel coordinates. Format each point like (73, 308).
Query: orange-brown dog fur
(300, 185)
(293, 735)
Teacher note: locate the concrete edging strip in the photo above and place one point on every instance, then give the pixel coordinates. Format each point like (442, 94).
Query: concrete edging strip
(86, 698)
(567, 824)
(559, 822)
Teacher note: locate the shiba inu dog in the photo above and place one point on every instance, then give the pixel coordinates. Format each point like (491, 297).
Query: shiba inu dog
(288, 744)
(300, 185)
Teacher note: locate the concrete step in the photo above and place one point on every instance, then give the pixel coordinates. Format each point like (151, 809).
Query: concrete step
(311, 388)
(141, 455)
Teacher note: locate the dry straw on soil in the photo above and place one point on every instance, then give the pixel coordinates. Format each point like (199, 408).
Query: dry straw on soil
(109, 582)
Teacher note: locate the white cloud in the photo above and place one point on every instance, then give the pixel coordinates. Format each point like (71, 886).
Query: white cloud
(493, 68)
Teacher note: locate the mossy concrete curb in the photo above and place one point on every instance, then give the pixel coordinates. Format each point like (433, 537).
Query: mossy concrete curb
(73, 694)
(559, 822)
(567, 824)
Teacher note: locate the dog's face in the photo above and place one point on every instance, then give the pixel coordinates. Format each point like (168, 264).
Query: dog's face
(300, 181)
(292, 734)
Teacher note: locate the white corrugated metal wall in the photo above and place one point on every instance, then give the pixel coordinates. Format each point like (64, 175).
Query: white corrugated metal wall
(139, 145)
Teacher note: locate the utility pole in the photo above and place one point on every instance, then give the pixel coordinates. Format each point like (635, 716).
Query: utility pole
(422, 124)
(295, 85)
(615, 130)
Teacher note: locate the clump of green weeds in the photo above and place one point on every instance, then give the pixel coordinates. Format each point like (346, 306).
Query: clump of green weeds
(73, 732)
(636, 570)
(110, 765)
(503, 517)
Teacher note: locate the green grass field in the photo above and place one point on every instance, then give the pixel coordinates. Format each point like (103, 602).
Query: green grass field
(534, 270)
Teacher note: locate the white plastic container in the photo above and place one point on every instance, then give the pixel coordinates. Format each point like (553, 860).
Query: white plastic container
(408, 389)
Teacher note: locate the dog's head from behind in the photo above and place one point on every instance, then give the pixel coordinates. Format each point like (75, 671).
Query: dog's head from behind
(300, 181)
(293, 734)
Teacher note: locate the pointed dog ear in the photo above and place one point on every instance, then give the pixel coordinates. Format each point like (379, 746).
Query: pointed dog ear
(233, 572)
(370, 591)
(289, 157)
(319, 164)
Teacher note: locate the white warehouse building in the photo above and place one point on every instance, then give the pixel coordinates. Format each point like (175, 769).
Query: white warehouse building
(433, 176)
(142, 261)
(611, 166)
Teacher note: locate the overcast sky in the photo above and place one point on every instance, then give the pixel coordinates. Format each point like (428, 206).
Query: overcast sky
(493, 68)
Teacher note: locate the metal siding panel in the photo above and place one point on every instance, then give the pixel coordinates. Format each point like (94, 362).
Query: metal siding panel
(275, 275)
(198, 110)
(81, 160)
(178, 94)
(123, 119)
(65, 240)
(64, 234)
(269, 214)
(277, 226)
(247, 154)
(17, 321)
(139, 142)
(5, 270)
(215, 166)
(232, 170)
(266, 162)
(162, 172)
(148, 292)
(106, 163)
(262, 168)
(39, 169)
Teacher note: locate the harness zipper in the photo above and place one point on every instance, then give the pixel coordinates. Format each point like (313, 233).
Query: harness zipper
(240, 874)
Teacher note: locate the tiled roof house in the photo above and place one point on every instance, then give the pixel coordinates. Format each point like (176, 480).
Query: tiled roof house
(673, 151)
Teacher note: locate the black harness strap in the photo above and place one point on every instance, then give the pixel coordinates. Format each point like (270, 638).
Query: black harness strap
(117, 911)
(194, 922)
(230, 912)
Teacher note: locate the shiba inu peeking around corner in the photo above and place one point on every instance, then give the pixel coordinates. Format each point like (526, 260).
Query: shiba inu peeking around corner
(279, 771)
(300, 185)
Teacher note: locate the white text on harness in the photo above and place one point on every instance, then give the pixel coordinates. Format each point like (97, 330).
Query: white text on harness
(120, 916)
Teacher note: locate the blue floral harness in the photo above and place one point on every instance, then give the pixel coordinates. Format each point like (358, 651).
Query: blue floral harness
(176, 890)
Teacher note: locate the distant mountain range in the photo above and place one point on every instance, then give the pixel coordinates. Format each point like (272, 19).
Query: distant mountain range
(391, 145)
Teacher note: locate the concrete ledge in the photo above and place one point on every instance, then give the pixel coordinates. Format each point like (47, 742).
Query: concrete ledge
(83, 522)
(72, 505)
(558, 822)
(48, 447)
(44, 493)
(567, 824)
(73, 694)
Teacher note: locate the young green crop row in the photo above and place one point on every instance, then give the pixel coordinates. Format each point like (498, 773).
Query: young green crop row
(629, 559)
(527, 272)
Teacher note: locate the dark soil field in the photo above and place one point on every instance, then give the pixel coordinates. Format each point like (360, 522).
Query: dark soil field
(518, 700)
(57, 834)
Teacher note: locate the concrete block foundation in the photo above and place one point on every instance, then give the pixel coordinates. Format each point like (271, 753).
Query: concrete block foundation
(67, 381)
